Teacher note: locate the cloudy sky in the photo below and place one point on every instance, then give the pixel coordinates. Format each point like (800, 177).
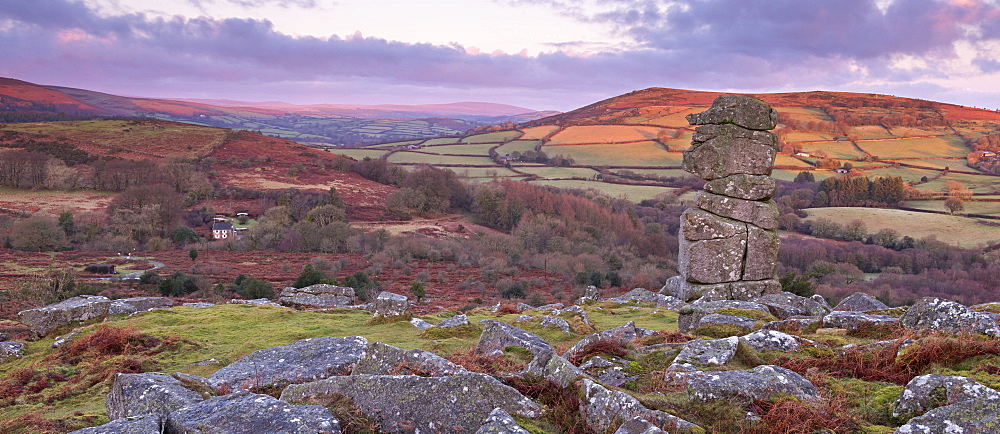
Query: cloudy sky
(540, 54)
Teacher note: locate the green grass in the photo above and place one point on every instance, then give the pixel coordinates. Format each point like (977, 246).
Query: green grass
(841, 150)
(537, 133)
(871, 132)
(931, 147)
(496, 137)
(623, 154)
(517, 145)
(481, 172)
(412, 157)
(603, 134)
(443, 141)
(954, 230)
(971, 207)
(558, 172)
(475, 149)
(358, 154)
(789, 175)
(634, 193)
(228, 332)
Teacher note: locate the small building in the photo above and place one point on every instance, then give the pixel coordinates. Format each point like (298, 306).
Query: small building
(412, 146)
(841, 170)
(803, 154)
(222, 230)
(505, 159)
(240, 232)
(242, 214)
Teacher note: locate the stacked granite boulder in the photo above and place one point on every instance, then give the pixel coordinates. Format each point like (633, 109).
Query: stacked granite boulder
(728, 243)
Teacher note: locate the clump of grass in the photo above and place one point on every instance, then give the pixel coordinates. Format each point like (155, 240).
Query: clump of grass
(609, 347)
(790, 415)
(719, 331)
(749, 313)
(492, 365)
(352, 419)
(462, 331)
(664, 337)
(563, 402)
(379, 320)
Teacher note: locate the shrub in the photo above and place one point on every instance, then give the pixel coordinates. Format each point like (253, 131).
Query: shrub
(514, 290)
(251, 288)
(310, 276)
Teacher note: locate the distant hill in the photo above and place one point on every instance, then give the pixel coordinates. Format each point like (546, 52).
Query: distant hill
(318, 124)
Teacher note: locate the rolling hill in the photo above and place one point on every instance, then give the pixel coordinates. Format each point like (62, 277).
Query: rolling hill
(318, 124)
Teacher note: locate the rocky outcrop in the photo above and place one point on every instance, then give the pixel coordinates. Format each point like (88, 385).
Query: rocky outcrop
(388, 304)
(251, 413)
(691, 315)
(317, 296)
(497, 335)
(860, 302)
(931, 313)
(138, 304)
(458, 403)
(786, 305)
(624, 334)
(638, 426)
(383, 359)
(857, 320)
(499, 422)
(144, 424)
(455, 321)
(794, 325)
(552, 367)
(729, 239)
(554, 321)
(151, 393)
(81, 308)
(644, 296)
(298, 362)
(601, 406)
(762, 340)
(760, 383)
(928, 392)
(11, 349)
(972, 416)
(702, 352)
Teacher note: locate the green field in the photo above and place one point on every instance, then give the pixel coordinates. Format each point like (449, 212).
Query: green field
(358, 154)
(497, 137)
(789, 175)
(801, 136)
(413, 157)
(787, 160)
(871, 132)
(908, 175)
(634, 193)
(675, 120)
(954, 230)
(971, 207)
(475, 149)
(931, 147)
(483, 172)
(941, 163)
(603, 134)
(839, 150)
(558, 172)
(623, 154)
(442, 141)
(810, 114)
(518, 146)
(976, 183)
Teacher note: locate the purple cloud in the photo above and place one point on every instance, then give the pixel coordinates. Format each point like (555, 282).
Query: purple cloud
(706, 44)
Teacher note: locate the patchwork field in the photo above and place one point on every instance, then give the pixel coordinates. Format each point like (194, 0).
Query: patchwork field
(471, 149)
(622, 154)
(634, 193)
(840, 150)
(517, 146)
(954, 230)
(971, 207)
(419, 158)
(603, 134)
(919, 148)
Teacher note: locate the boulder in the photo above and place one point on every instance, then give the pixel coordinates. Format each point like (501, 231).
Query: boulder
(297, 362)
(421, 324)
(794, 325)
(553, 321)
(383, 359)
(719, 151)
(763, 214)
(497, 335)
(743, 186)
(638, 426)
(625, 334)
(455, 321)
(691, 315)
(607, 372)
(255, 302)
(760, 383)
(499, 422)
(251, 413)
(761, 340)
(698, 224)
(388, 304)
(320, 295)
(743, 111)
(592, 292)
(550, 366)
(931, 313)
(409, 403)
(150, 393)
(574, 310)
(11, 349)
(713, 319)
(857, 320)
(81, 308)
(702, 352)
(199, 304)
(860, 302)
(696, 292)
(784, 305)
(602, 407)
(138, 304)
(971, 416)
(645, 296)
(761, 255)
(64, 339)
(927, 392)
(143, 424)
(712, 260)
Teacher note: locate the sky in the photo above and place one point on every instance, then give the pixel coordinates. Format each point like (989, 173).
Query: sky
(538, 54)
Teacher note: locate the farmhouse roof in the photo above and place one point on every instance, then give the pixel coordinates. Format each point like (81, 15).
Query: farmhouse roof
(222, 226)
